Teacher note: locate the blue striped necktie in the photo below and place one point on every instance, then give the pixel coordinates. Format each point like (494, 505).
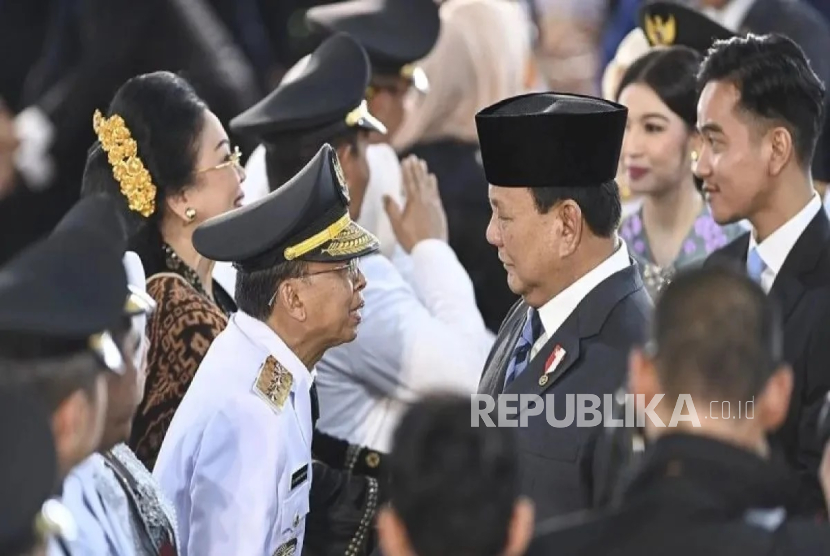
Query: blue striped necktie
(755, 265)
(531, 332)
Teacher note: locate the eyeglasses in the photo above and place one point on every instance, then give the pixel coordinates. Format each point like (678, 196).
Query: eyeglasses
(353, 271)
(233, 160)
(353, 274)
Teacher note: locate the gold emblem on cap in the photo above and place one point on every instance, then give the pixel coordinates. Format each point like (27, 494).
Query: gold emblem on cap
(273, 383)
(660, 32)
(351, 241)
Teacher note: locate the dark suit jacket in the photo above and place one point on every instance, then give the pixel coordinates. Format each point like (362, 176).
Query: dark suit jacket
(802, 23)
(691, 496)
(558, 463)
(802, 290)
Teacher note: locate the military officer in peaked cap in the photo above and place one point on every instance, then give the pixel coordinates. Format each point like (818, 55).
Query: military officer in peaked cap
(413, 339)
(323, 97)
(396, 34)
(236, 460)
(29, 517)
(551, 160)
(58, 301)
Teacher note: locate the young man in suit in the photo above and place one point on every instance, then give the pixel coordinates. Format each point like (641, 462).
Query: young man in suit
(551, 160)
(802, 23)
(759, 115)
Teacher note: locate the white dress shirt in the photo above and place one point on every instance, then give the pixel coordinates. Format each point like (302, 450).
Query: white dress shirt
(238, 468)
(416, 337)
(775, 248)
(557, 310)
(732, 15)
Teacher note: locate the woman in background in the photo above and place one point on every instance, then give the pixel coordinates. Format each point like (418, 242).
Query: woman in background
(483, 55)
(673, 228)
(167, 159)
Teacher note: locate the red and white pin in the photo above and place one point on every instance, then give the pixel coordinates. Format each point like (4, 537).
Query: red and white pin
(555, 358)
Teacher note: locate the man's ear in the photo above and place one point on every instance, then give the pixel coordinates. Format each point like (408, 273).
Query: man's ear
(642, 375)
(773, 401)
(290, 297)
(392, 534)
(521, 528)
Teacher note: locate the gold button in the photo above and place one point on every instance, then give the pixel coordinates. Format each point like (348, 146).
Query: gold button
(373, 459)
(543, 380)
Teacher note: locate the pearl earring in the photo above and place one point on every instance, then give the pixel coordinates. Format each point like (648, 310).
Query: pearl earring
(190, 214)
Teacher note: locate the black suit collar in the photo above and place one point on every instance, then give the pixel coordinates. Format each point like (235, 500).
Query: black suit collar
(789, 284)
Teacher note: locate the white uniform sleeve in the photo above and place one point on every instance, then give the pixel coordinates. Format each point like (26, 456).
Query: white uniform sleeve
(234, 487)
(425, 340)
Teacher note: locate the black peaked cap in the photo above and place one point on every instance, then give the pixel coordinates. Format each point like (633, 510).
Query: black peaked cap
(325, 95)
(395, 33)
(671, 24)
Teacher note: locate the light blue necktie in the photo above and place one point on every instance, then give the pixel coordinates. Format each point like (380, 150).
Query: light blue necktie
(521, 353)
(755, 265)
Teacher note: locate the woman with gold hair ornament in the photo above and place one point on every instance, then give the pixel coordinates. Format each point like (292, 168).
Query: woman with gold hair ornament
(167, 159)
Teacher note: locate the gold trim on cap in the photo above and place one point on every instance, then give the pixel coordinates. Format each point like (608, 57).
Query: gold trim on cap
(352, 241)
(103, 345)
(417, 76)
(318, 239)
(361, 114)
(660, 32)
(353, 118)
(138, 302)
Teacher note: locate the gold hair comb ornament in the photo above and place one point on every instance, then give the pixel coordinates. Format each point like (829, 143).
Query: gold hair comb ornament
(127, 168)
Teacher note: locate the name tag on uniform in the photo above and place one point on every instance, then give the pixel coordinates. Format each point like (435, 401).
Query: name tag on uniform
(299, 476)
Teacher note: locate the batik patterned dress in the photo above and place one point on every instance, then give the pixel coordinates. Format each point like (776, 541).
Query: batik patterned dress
(703, 237)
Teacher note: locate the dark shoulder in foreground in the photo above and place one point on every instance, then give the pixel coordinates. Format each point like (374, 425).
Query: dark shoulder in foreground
(654, 529)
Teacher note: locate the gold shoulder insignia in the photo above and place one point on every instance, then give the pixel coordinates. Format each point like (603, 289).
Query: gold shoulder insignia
(661, 32)
(273, 383)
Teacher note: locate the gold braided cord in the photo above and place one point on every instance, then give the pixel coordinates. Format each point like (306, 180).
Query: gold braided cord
(127, 168)
(318, 239)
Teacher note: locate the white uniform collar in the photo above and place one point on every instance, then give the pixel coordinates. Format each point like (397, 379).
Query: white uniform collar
(262, 335)
(557, 310)
(775, 248)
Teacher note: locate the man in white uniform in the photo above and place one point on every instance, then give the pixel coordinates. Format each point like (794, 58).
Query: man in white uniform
(237, 459)
(416, 335)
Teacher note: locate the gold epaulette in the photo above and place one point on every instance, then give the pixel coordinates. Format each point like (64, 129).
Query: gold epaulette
(273, 383)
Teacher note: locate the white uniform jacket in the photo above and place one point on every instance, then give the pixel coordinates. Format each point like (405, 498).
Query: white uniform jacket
(236, 461)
